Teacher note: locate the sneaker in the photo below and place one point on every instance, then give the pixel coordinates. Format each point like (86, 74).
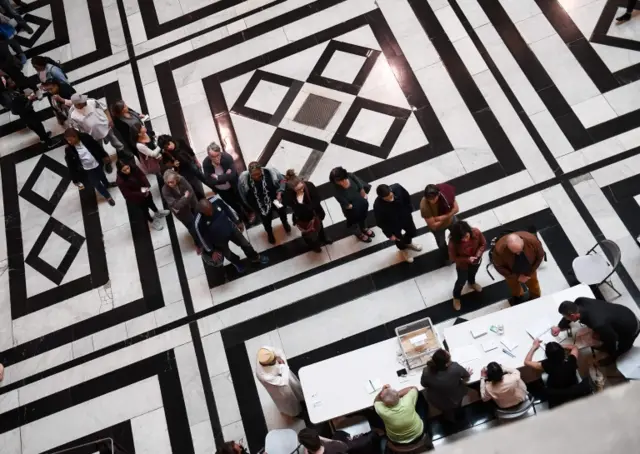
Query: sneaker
(53, 144)
(476, 287)
(261, 260)
(162, 213)
(23, 59)
(364, 238)
(111, 202)
(457, 305)
(287, 227)
(407, 257)
(625, 17)
(327, 241)
(157, 224)
(27, 28)
(415, 247)
(370, 233)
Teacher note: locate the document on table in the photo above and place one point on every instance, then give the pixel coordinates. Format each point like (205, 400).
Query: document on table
(489, 345)
(542, 331)
(508, 343)
(373, 385)
(465, 354)
(418, 340)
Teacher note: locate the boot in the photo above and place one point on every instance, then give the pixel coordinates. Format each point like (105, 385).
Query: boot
(272, 239)
(287, 227)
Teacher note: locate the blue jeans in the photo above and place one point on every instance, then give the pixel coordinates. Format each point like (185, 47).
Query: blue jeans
(98, 180)
(5, 6)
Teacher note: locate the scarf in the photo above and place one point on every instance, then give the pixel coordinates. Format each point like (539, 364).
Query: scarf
(264, 204)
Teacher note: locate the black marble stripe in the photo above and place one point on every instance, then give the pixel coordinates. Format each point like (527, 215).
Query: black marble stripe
(119, 436)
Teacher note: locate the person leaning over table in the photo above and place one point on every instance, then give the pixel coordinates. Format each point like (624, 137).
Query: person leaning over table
(397, 409)
(444, 381)
(517, 257)
(616, 325)
(502, 385)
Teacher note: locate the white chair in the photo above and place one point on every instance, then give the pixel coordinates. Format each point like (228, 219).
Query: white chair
(282, 441)
(594, 269)
(516, 412)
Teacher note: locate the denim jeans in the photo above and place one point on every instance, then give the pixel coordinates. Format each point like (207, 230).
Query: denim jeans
(98, 180)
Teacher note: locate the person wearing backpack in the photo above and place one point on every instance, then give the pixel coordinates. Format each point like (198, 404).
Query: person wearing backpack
(517, 257)
(48, 69)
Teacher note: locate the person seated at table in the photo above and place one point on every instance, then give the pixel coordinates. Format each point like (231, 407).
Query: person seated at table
(614, 324)
(562, 381)
(444, 382)
(315, 444)
(502, 385)
(398, 411)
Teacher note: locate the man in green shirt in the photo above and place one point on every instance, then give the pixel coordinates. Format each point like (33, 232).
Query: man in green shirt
(397, 409)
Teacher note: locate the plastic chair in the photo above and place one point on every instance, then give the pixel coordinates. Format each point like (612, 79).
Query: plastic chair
(282, 441)
(594, 269)
(507, 414)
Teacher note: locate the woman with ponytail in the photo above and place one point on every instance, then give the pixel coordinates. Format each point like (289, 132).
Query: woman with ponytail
(308, 214)
(444, 381)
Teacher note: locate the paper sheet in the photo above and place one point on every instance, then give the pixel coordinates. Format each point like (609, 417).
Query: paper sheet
(465, 354)
(418, 340)
(508, 343)
(542, 330)
(489, 345)
(477, 332)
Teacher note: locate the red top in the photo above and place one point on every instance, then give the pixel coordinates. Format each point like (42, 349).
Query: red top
(474, 247)
(131, 185)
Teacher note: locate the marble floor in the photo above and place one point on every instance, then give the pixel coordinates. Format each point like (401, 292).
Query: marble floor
(109, 330)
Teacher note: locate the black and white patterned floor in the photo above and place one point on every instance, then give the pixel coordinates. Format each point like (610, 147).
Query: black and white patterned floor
(529, 107)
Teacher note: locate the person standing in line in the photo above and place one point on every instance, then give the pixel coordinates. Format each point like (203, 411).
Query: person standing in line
(216, 225)
(13, 69)
(8, 10)
(182, 202)
(222, 176)
(8, 34)
(308, 214)
(179, 156)
(438, 208)
(466, 246)
(127, 121)
(19, 104)
(352, 195)
(262, 189)
(445, 383)
(149, 153)
(631, 4)
(517, 257)
(504, 387)
(49, 69)
(280, 382)
(84, 157)
(393, 212)
(57, 92)
(90, 116)
(136, 190)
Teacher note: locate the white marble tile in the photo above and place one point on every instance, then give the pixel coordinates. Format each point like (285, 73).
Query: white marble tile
(150, 433)
(616, 58)
(80, 38)
(617, 172)
(362, 127)
(225, 397)
(122, 265)
(594, 111)
(82, 347)
(449, 21)
(470, 55)
(170, 313)
(200, 126)
(236, 27)
(520, 208)
(343, 66)
(210, 324)
(495, 190)
(109, 336)
(155, 105)
(142, 324)
(601, 210)
(11, 443)
(36, 364)
(215, 354)
(202, 436)
(267, 97)
(551, 133)
(382, 86)
(191, 384)
(624, 99)
(235, 431)
(200, 295)
(171, 290)
(107, 410)
(167, 10)
(519, 10)
(535, 28)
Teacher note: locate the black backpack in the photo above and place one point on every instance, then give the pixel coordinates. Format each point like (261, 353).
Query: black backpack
(495, 239)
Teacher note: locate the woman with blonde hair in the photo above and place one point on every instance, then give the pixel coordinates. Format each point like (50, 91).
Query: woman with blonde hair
(308, 214)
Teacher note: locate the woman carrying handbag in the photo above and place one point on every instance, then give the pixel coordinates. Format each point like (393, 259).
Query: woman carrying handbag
(149, 153)
(305, 202)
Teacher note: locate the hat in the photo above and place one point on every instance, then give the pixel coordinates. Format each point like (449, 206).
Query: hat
(266, 356)
(77, 98)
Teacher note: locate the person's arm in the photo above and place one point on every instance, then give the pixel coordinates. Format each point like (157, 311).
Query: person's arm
(465, 374)
(528, 360)
(381, 222)
(58, 74)
(482, 246)
(486, 397)
(452, 212)
(145, 150)
(406, 390)
(502, 268)
(205, 244)
(230, 174)
(539, 254)
(510, 371)
(609, 339)
(573, 349)
(378, 397)
(459, 260)
(341, 198)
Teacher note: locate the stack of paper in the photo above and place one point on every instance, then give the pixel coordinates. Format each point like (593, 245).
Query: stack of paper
(465, 354)
(489, 345)
(477, 332)
(508, 343)
(373, 385)
(542, 331)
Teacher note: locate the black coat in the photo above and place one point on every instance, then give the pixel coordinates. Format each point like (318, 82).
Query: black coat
(393, 217)
(615, 324)
(311, 204)
(76, 171)
(226, 162)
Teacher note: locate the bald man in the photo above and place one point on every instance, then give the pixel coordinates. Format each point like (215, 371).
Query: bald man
(517, 257)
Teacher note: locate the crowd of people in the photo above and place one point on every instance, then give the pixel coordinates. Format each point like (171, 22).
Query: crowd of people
(402, 415)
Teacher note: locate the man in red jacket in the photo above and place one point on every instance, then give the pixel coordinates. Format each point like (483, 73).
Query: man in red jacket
(438, 208)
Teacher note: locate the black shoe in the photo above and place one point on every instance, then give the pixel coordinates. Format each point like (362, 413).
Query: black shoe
(287, 227)
(51, 144)
(111, 202)
(317, 249)
(112, 184)
(625, 17)
(272, 239)
(108, 167)
(327, 241)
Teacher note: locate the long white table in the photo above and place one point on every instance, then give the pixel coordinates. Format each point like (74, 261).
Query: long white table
(516, 320)
(336, 386)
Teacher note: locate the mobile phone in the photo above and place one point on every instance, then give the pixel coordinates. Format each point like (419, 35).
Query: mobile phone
(401, 373)
(277, 204)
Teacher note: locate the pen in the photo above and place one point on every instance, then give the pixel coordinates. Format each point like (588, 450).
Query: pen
(508, 352)
(372, 387)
